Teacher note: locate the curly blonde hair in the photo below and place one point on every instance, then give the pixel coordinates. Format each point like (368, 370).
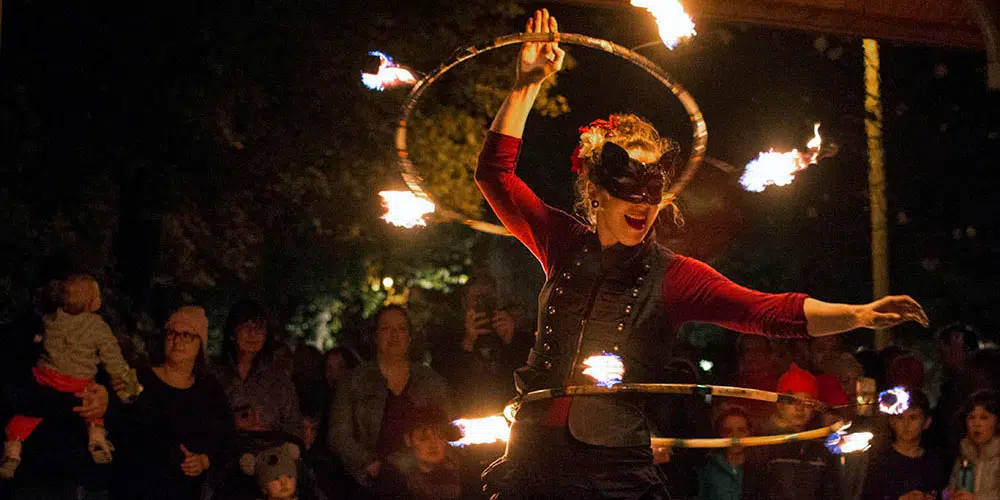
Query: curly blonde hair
(630, 132)
(78, 294)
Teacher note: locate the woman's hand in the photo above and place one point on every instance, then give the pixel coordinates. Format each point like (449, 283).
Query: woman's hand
(503, 323)
(539, 60)
(95, 402)
(888, 312)
(194, 463)
(475, 325)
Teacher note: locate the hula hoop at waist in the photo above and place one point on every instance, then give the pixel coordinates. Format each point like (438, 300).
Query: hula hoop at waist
(697, 390)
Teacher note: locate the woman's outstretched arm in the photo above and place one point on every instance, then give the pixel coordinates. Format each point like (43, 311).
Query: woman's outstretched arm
(693, 291)
(823, 318)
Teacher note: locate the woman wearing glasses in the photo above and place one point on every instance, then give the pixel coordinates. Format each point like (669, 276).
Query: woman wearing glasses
(180, 426)
(611, 288)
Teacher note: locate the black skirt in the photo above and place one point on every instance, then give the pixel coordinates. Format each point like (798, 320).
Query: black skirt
(547, 462)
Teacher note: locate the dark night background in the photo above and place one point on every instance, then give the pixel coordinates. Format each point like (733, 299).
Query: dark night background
(205, 151)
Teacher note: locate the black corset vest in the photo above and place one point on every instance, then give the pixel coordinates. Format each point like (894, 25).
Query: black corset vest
(587, 309)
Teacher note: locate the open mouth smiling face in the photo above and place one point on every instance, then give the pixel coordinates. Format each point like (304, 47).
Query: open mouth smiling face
(637, 222)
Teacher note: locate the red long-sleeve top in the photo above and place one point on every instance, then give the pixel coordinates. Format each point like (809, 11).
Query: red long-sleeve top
(692, 290)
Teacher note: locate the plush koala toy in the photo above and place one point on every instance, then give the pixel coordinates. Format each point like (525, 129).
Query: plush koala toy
(276, 469)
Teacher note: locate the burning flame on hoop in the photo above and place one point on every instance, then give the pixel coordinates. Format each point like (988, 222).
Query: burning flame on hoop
(390, 74)
(405, 209)
(894, 401)
(606, 369)
(840, 442)
(779, 169)
(486, 430)
(674, 24)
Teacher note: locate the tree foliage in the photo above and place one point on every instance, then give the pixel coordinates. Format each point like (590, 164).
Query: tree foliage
(203, 151)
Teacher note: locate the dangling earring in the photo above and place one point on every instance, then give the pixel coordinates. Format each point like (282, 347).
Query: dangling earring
(595, 203)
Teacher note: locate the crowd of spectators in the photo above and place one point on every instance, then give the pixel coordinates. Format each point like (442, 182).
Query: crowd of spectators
(275, 420)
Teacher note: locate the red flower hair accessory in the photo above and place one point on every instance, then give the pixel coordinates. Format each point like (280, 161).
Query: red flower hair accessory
(609, 125)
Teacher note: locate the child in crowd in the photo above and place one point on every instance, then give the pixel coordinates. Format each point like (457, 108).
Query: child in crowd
(976, 473)
(425, 469)
(76, 340)
(721, 477)
(905, 469)
(798, 470)
(276, 469)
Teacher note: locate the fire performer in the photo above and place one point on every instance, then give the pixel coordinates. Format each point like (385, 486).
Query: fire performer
(612, 288)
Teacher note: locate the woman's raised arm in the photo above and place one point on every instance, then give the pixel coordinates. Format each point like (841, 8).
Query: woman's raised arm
(537, 62)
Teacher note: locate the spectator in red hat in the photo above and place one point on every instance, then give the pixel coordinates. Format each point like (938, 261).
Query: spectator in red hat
(793, 417)
(907, 370)
(797, 470)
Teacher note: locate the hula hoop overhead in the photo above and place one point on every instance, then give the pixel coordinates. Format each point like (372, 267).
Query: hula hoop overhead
(415, 182)
(697, 390)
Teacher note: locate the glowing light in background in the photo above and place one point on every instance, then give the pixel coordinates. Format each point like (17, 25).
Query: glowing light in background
(405, 209)
(894, 401)
(674, 24)
(779, 169)
(606, 369)
(486, 430)
(706, 365)
(840, 442)
(390, 74)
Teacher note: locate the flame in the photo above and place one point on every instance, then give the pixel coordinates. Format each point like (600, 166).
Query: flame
(815, 142)
(390, 74)
(606, 369)
(486, 430)
(840, 442)
(779, 169)
(510, 411)
(894, 401)
(674, 24)
(405, 209)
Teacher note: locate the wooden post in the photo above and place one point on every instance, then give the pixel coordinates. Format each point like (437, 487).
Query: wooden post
(876, 182)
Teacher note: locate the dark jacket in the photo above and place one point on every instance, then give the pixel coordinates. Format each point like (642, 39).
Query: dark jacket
(267, 390)
(802, 470)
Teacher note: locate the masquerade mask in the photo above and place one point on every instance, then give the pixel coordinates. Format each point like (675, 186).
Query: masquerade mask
(629, 179)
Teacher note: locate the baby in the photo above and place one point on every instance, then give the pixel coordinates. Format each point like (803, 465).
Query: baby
(76, 341)
(276, 469)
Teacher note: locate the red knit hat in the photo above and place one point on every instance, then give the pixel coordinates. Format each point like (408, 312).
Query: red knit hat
(798, 380)
(907, 370)
(830, 391)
